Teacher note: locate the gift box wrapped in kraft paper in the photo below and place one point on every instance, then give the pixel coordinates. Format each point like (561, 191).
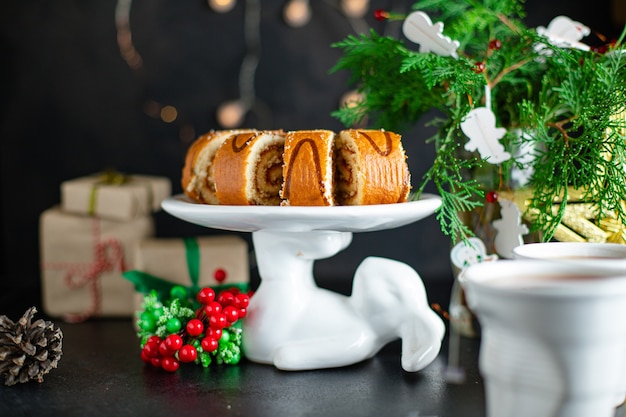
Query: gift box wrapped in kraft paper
(82, 260)
(207, 261)
(114, 196)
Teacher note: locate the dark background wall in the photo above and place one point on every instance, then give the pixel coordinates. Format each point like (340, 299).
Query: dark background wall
(71, 106)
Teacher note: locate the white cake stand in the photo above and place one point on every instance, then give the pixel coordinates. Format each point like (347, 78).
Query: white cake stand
(296, 325)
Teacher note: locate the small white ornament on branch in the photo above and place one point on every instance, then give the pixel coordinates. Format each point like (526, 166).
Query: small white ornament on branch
(470, 252)
(418, 28)
(510, 229)
(480, 127)
(564, 32)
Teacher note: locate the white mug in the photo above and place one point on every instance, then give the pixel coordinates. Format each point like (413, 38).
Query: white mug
(596, 255)
(549, 345)
(605, 256)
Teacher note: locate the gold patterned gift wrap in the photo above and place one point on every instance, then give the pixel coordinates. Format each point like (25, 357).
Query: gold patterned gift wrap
(581, 221)
(113, 195)
(82, 261)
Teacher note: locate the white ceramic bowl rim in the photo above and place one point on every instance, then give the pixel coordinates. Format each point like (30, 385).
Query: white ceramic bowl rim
(483, 274)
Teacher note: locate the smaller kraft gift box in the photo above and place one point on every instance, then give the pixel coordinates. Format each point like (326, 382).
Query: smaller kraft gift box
(82, 260)
(115, 196)
(219, 261)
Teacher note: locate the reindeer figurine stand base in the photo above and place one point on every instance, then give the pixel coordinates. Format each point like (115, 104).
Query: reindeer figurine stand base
(295, 325)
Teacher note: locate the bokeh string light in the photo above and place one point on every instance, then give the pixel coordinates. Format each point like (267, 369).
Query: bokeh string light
(222, 6)
(164, 112)
(297, 13)
(233, 113)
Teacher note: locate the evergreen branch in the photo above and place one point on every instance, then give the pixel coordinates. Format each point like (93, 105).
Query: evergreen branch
(507, 70)
(563, 100)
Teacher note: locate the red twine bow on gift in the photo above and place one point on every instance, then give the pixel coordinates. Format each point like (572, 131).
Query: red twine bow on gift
(108, 255)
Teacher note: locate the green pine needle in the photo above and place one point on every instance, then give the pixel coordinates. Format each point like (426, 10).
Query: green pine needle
(561, 100)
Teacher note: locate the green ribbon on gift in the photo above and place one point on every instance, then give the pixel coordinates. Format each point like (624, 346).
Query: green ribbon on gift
(145, 283)
(108, 177)
(192, 252)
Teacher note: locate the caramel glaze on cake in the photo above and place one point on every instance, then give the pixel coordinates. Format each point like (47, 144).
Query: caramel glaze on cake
(371, 168)
(247, 168)
(308, 169)
(197, 176)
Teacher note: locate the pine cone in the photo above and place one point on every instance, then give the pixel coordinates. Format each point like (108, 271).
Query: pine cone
(28, 350)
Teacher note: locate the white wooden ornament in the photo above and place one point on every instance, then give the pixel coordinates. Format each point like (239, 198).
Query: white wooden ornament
(471, 252)
(418, 28)
(480, 127)
(509, 229)
(565, 33)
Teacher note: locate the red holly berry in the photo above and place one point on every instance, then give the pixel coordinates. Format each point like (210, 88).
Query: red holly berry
(164, 350)
(173, 342)
(479, 67)
(381, 15)
(151, 349)
(219, 275)
(206, 295)
(226, 298)
(491, 197)
(209, 344)
(212, 308)
(170, 364)
(495, 44)
(145, 358)
(156, 362)
(194, 327)
(187, 354)
(154, 339)
(218, 321)
(242, 300)
(243, 312)
(231, 313)
(214, 333)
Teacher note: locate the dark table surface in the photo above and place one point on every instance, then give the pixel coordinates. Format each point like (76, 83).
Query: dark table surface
(101, 374)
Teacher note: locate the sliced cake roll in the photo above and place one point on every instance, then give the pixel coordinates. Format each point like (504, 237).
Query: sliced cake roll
(308, 171)
(247, 168)
(371, 168)
(197, 176)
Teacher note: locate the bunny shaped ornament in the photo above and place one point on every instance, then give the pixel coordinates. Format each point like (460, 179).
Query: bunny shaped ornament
(313, 328)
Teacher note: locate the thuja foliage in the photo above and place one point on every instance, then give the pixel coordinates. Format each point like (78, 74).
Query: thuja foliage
(560, 102)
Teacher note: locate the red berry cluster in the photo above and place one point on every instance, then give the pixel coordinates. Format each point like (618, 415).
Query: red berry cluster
(215, 314)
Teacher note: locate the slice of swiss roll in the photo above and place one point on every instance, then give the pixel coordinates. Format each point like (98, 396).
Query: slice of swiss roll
(247, 168)
(308, 171)
(197, 176)
(371, 168)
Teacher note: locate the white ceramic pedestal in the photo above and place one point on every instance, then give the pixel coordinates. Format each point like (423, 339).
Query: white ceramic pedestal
(295, 325)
